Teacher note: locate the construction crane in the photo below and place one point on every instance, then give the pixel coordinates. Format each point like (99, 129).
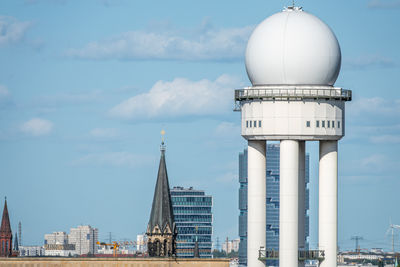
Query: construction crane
(115, 245)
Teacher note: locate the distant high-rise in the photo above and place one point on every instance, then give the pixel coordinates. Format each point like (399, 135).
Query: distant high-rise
(161, 230)
(5, 234)
(84, 237)
(193, 218)
(272, 202)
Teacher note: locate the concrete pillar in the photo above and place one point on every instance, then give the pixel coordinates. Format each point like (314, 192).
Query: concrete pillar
(328, 166)
(256, 201)
(289, 198)
(302, 200)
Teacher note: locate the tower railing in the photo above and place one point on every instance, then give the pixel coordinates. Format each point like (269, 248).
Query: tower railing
(268, 254)
(292, 92)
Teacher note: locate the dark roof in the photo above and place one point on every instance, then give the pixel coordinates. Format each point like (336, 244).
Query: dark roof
(5, 221)
(161, 210)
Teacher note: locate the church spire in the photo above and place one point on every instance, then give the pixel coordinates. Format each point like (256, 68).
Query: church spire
(5, 233)
(161, 229)
(5, 221)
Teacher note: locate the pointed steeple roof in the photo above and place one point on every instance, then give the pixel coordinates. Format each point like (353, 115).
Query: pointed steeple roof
(16, 246)
(5, 221)
(161, 211)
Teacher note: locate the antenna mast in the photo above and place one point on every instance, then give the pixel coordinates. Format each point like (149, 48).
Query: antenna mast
(357, 238)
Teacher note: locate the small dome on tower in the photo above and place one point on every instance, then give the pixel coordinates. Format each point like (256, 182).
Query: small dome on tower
(293, 47)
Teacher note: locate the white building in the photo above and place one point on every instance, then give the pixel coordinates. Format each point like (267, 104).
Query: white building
(56, 238)
(141, 243)
(60, 250)
(31, 251)
(231, 245)
(56, 244)
(84, 237)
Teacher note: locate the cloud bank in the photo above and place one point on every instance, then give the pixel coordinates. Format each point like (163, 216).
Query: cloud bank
(208, 44)
(180, 97)
(370, 61)
(12, 30)
(384, 4)
(37, 127)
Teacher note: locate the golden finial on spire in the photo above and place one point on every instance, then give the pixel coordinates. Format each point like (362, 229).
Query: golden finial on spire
(162, 140)
(162, 135)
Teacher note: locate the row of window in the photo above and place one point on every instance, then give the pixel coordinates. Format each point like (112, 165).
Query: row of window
(324, 124)
(191, 199)
(253, 124)
(318, 124)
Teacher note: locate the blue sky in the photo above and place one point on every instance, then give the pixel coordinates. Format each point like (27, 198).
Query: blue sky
(87, 86)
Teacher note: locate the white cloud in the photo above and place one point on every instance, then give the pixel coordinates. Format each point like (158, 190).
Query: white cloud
(4, 91)
(386, 139)
(116, 159)
(375, 105)
(180, 97)
(193, 45)
(37, 127)
(104, 133)
(384, 4)
(12, 30)
(370, 61)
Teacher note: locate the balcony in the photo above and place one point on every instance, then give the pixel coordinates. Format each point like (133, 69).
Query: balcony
(264, 255)
(291, 93)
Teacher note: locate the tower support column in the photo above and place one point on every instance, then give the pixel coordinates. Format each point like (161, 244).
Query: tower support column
(328, 179)
(302, 200)
(256, 201)
(289, 198)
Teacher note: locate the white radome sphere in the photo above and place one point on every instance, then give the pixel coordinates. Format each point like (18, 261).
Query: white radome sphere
(293, 47)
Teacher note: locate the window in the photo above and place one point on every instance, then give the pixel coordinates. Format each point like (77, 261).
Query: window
(329, 124)
(308, 124)
(333, 124)
(250, 124)
(255, 123)
(247, 124)
(323, 124)
(259, 124)
(317, 124)
(338, 124)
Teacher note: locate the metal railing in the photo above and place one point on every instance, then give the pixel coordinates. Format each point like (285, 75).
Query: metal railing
(292, 93)
(264, 254)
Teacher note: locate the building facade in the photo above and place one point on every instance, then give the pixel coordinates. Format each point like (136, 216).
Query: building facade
(141, 243)
(231, 245)
(84, 238)
(59, 238)
(56, 244)
(31, 251)
(272, 202)
(193, 218)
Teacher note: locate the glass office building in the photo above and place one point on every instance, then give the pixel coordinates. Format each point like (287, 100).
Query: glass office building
(193, 218)
(272, 202)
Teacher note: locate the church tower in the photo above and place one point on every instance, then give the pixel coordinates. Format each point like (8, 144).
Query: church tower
(161, 230)
(5, 234)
